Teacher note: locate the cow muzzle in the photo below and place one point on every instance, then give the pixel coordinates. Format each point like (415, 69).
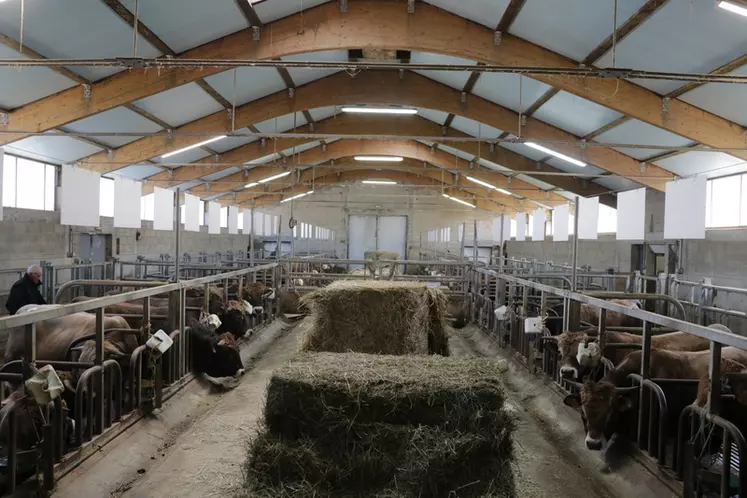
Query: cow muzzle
(594, 444)
(568, 372)
(239, 372)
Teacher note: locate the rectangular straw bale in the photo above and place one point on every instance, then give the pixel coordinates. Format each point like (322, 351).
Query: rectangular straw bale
(318, 393)
(376, 317)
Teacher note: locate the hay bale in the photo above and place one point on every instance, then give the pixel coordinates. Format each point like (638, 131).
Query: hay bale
(318, 394)
(376, 317)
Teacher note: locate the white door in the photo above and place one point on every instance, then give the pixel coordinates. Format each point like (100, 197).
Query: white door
(393, 235)
(361, 235)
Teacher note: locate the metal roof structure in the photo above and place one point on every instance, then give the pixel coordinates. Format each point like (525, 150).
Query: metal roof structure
(626, 132)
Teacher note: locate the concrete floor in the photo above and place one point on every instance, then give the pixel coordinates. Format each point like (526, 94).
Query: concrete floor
(196, 446)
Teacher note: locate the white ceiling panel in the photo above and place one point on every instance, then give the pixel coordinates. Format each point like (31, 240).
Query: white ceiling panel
(493, 166)
(137, 171)
(272, 10)
(456, 152)
(252, 83)
(509, 90)
(727, 100)
(213, 197)
(616, 183)
(574, 114)
(475, 128)
(454, 79)
(572, 168)
(300, 148)
(696, 162)
(264, 159)
(232, 142)
(184, 24)
(56, 150)
(433, 115)
(21, 86)
(485, 12)
(528, 152)
(683, 36)
(119, 119)
(637, 132)
(535, 181)
(321, 113)
(188, 156)
(220, 174)
(303, 75)
(571, 27)
(187, 185)
(282, 124)
(72, 29)
(170, 105)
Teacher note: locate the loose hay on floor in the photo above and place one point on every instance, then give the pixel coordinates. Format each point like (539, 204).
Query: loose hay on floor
(376, 317)
(358, 425)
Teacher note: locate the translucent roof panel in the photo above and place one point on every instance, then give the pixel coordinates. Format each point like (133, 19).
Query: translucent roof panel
(475, 128)
(272, 10)
(571, 27)
(727, 100)
(617, 183)
(485, 12)
(214, 196)
(456, 152)
(186, 157)
(514, 91)
(56, 150)
(301, 148)
(184, 24)
(137, 171)
(321, 113)
(21, 86)
(119, 119)
(454, 79)
(572, 168)
(636, 132)
(574, 114)
(188, 185)
(533, 180)
(170, 105)
(265, 159)
(433, 115)
(696, 162)
(232, 142)
(73, 29)
(683, 36)
(303, 75)
(528, 152)
(281, 124)
(493, 166)
(220, 174)
(252, 83)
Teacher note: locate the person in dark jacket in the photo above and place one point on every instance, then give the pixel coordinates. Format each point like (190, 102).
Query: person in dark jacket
(26, 291)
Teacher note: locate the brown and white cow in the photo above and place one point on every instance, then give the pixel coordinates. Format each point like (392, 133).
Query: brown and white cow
(590, 314)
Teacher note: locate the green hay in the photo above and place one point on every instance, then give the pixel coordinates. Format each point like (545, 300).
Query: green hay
(321, 393)
(376, 317)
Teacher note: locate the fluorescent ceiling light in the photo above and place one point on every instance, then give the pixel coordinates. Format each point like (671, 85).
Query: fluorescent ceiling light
(556, 154)
(379, 110)
(250, 185)
(733, 7)
(486, 184)
(297, 196)
(380, 159)
(193, 146)
(275, 177)
(459, 201)
(379, 182)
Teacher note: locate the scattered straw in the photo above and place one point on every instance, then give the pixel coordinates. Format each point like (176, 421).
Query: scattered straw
(376, 317)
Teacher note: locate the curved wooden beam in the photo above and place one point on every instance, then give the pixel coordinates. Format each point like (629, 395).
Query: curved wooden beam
(385, 25)
(381, 87)
(375, 125)
(417, 153)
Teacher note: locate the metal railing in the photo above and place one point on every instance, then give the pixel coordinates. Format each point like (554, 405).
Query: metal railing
(104, 394)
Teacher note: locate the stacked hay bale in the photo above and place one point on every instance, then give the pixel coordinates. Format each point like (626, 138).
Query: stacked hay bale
(355, 425)
(376, 317)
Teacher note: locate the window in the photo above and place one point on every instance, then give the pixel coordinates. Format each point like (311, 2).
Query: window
(147, 207)
(607, 222)
(241, 222)
(724, 205)
(445, 234)
(201, 215)
(224, 217)
(28, 184)
(513, 228)
(461, 231)
(106, 197)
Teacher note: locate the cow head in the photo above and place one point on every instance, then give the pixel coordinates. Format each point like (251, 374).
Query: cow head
(235, 320)
(29, 420)
(575, 356)
(214, 355)
(734, 374)
(603, 408)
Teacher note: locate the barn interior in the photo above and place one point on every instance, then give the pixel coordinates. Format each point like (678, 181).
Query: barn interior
(203, 188)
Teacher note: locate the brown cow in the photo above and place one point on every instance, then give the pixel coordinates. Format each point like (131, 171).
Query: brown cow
(590, 314)
(568, 346)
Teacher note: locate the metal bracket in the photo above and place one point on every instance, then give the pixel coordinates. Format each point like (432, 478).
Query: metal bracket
(233, 195)
(491, 147)
(464, 97)
(583, 144)
(263, 142)
(312, 126)
(444, 130)
(324, 147)
(523, 120)
(665, 104)
(433, 148)
(109, 153)
(255, 33)
(343, 5)
(207, 187)
(410, 6)
(86, 91)
(217, 158)
(4, 118)
(537, 165)
(401, 74)
(170, 173)
(497, 37)
(291, 93)
(230, 113)
(508, 179)
(246, 173)
(642, 166)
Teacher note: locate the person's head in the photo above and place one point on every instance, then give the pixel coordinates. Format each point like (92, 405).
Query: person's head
(34, 272)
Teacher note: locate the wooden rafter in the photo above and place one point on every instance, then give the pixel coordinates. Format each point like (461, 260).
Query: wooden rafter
(377, 87)
(382, 25)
